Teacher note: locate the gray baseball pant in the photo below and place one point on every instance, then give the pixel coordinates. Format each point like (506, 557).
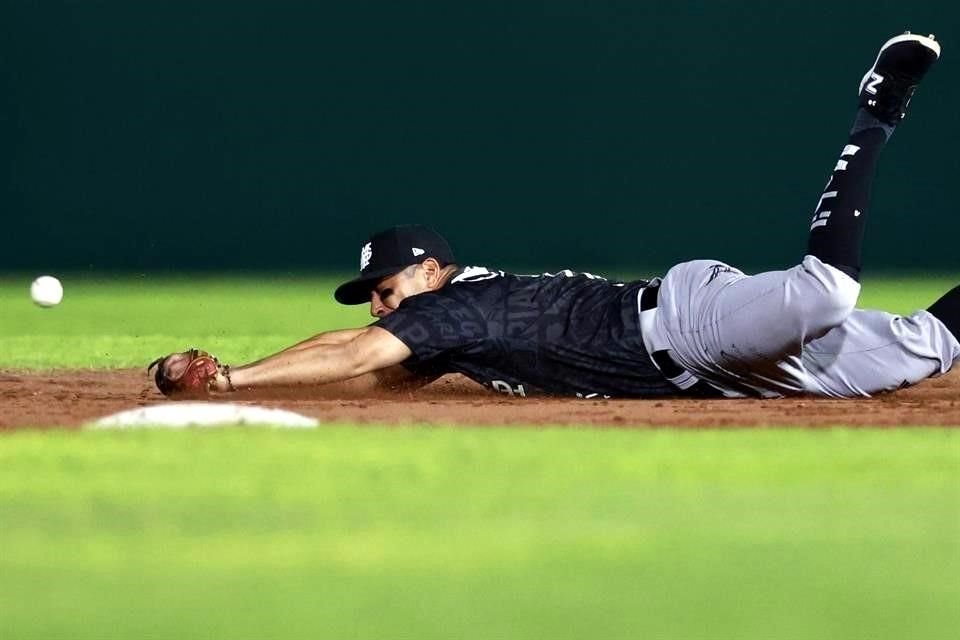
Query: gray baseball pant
(791, 332)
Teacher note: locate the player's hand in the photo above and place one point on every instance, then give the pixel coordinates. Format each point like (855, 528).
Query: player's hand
(192, 373)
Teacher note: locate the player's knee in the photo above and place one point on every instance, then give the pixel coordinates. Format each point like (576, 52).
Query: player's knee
(835, 305)
(825, 296)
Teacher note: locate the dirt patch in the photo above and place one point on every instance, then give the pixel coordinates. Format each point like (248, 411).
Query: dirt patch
(70, 398)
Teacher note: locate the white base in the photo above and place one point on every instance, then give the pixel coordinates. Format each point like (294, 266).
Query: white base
(178, 415)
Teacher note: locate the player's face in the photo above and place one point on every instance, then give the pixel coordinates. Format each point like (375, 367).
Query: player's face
(390, 292)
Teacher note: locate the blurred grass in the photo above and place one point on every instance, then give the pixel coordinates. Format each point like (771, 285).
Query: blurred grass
(350, 532)
(114, 322)
(123, 322)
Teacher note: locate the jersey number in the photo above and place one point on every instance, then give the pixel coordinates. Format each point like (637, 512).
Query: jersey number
(504, 387)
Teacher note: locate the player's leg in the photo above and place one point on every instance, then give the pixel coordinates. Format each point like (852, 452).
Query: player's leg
(736, 335)
(947, 310)
(836, 232)
(744, 334)
(875, 351)
(748, 332)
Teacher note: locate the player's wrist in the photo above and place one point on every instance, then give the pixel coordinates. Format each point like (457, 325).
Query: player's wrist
(223, 381)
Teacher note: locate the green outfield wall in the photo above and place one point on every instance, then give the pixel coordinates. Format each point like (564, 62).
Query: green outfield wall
(604, 135)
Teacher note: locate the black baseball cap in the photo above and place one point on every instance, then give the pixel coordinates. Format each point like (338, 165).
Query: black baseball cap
(389, 252)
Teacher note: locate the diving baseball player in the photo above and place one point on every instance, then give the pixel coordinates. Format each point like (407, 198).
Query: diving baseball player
(705, 329)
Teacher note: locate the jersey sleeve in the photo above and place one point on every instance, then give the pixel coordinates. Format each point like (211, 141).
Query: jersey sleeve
(434, 327)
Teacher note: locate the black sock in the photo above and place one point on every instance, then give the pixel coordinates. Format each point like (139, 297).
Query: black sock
(836, 234)
(947, 310)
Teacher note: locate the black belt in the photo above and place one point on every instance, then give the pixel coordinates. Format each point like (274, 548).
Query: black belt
(677, 375)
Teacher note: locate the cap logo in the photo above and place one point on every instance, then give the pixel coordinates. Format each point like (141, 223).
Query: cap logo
(417, 251)
(365, 254)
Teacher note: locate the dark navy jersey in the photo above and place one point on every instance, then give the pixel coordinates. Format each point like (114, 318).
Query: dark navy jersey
(561, 334)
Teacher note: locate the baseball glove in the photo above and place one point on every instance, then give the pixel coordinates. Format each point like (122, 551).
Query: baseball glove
(190, 373)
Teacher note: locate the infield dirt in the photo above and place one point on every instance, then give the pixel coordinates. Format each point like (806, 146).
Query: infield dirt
(70, 398)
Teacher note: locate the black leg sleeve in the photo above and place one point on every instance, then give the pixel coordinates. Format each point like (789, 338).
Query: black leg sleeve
(947, 310)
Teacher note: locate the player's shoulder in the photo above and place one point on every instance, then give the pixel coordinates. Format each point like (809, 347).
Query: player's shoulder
(470, 275)
(469, 288)
(497, 279)
(463, 289)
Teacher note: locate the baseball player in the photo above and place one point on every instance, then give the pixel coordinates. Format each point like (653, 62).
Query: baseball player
(705, 329)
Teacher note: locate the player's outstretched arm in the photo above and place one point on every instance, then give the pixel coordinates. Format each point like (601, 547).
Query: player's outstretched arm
(350, 360)
(318, 362)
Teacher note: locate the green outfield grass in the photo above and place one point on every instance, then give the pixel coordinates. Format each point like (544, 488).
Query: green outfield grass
(425, 532)
(126, 322)
(480, 533)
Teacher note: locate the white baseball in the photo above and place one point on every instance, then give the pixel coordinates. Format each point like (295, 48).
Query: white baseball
(46, 291)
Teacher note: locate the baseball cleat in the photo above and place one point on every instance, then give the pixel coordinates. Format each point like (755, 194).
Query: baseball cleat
(887, 87)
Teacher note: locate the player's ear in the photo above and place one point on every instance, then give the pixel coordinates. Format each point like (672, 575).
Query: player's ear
(431, 270)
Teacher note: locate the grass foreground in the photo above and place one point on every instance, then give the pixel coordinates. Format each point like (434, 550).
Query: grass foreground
(349, 532)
